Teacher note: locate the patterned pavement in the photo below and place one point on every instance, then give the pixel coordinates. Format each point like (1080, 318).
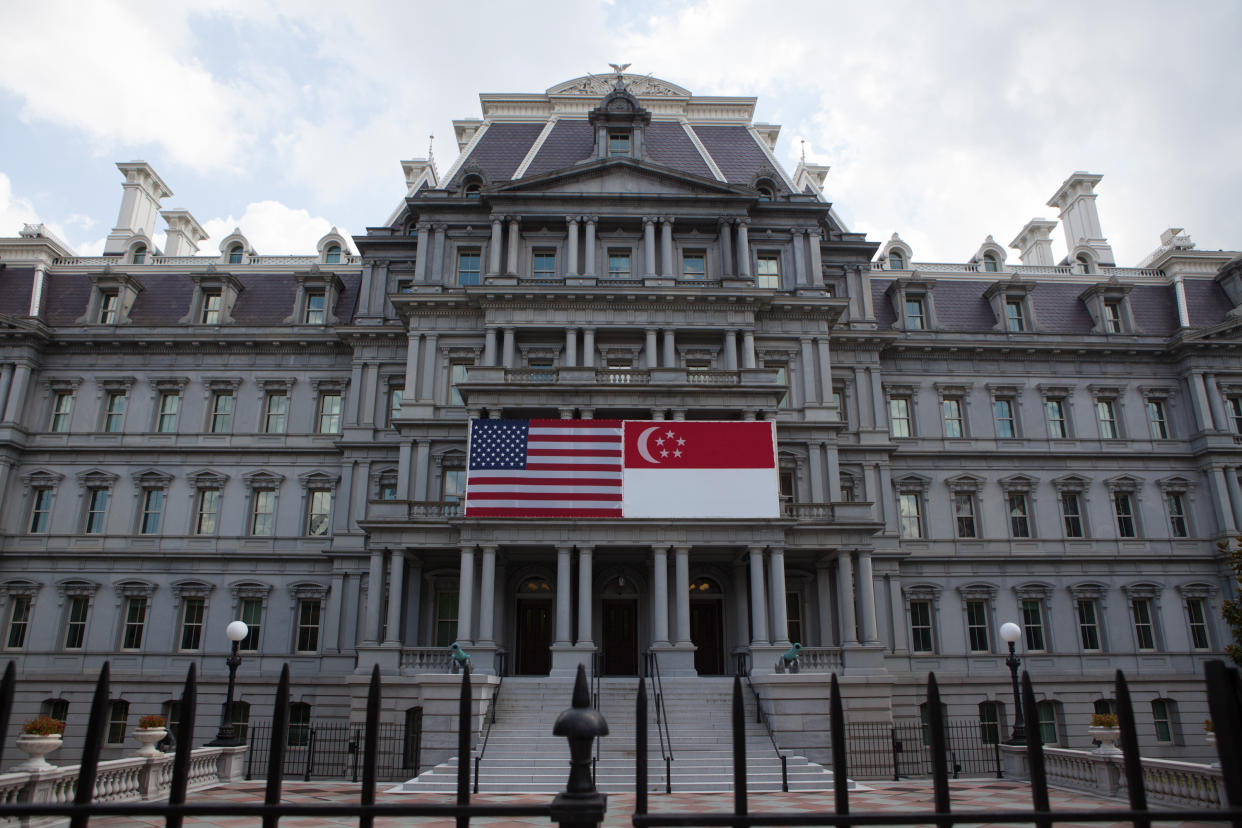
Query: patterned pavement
(914, 795)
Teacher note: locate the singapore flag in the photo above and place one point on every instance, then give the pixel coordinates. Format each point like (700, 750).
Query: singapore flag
(700, 469)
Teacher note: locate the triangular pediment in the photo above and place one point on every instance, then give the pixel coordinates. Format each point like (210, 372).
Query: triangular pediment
(619, 175)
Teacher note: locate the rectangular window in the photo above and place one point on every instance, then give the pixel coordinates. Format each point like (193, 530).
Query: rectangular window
(396, 395)
(457, 376)
(911, 513)
(544, 264)
(899, 424)
(75, 622)
(252, 615)
(135, 623)
(318, 512)
(1054, 414)
(1179, 527)
(951, 413)
(62, 407)
(207, 512)
(990, 722)
(915, 315)
(96, 511)
(1006, 425)
(964, 512)
(1123, 505)
(1112, 317)
(1235, 413)
(921, 640)
(453, 485)
(1198, 624)
(782, 379)
(1047, 713)
(114, 412)
(387, 491)
(330, 413)
(108, 308)
(977, 626)
(152, 510)
(211, 309)
(793, 615)
(1159, 419)
(1106, 416)
(618, 143)
(41, 510)
(1071, 512)
(275, 412)
(170, 406)
(619, 264)
(221, 412)
(1019, 515)
(693, 265)
(308, 625)
(192, 613)
(768, 271)
(469, 266)
(1087, 610)
(1162, 714)
(446, 617)
(1144, 628)
(838, 402)
(19, 622)
(1015, 317)
(316, 308)
(1033, 623)
(263, 513)
(118, 716)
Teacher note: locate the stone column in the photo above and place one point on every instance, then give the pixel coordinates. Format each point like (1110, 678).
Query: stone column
(564, 597)
(877, 399)
(730, 350)
(825, 369)
(780, 612)
(465, 597)
(741, 606)
(493, 247)
(864, 281)
(743, 248)
(650, 352)
(428, 373)
(808, 372)
(1235, 493)
(681, 600)
(1214, 400)
(748, 349)
(375, 585)
(845, 599)
(588, 347)
(571, 347)
(667, 265)
(862, 391)
(507, 349)
(489, 346)
(413, 603)
(815, 468)
(659, 595)
(487, 599)
(758, 600)
(437, 246)
(396, 591)
(571, 266)
(405, 468)
(1220, 496)
(1199, 401)
(670, 349)
(726, 249)
(511, 266)
(17, 393)
(799, 251)
(649, 248)
(823, 594)
(834, 471)
(866, 598)
(590, 246)
(897, 612)
(422, 468)
(585, 595)
(424, 252)
(411, 367)
(817, 257)
(6, 381)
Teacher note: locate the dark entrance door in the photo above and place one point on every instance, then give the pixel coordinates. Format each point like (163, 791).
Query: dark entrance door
(620, 638)
(534, 637)
(707, 634)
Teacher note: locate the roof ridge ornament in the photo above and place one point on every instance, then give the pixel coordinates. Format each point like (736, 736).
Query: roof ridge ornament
(619, 68)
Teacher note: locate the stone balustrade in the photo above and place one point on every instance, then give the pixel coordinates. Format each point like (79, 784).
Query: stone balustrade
(426, 660)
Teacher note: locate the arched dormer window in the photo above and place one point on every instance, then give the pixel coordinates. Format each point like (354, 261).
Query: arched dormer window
(896, 261)
(235, 254)
(990, 264)
(333, 254)
(767, 192)
(140, 254)
(1084, 263)
(472, 187)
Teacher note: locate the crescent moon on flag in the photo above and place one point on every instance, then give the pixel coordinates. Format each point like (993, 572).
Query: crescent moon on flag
(642, 445)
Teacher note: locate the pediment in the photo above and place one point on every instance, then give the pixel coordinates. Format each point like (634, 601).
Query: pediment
(620, 175)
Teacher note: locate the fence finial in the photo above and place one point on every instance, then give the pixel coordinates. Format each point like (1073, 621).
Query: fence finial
(580, 806)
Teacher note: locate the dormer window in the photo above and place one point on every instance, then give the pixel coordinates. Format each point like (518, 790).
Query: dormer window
(1084, 263)
(140, 254)
(990, 264)
(896, 261)
(333, 254)
(317, 296)
(235, 254)
(915, 314)
(108, 302)
(1013, 306)
(767, 190)
(1108, 303)
(1015, 316)
(1112, 317)
(912, 303)
(211, 308)
(315, 305)
(619, 144)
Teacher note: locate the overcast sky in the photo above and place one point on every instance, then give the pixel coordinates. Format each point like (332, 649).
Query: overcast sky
(943, 122)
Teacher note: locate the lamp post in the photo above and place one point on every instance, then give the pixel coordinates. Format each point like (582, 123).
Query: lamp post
(225, 736)
(1011, 632)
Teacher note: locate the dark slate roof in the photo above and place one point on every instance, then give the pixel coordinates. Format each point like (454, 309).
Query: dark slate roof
(736, 153)
(960, 306)
(65, 298)
(1155, 309)
(568, 143)
(669, 145)
(884, 316)
(1058, 308)
(1207, 302)
(164, 300)
(502, 148)
(15, 287)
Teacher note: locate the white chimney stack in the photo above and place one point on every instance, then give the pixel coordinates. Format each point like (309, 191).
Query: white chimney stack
(140, 203)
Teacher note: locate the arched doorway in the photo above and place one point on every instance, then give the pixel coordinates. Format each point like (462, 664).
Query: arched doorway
(707, 626)
(619, 627)
(532, 653)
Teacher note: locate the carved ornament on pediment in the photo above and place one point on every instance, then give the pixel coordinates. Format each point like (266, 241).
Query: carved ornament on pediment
(637, 85)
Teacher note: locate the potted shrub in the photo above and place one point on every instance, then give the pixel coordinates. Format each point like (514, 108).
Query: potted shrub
(39, 737)
(150, 731)
(1104, 728)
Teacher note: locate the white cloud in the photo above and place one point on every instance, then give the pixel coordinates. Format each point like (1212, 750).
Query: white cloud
(14, 210)
(273, 229)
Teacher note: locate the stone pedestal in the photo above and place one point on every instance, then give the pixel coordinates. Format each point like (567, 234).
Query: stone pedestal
(567, 657)
(677, 660)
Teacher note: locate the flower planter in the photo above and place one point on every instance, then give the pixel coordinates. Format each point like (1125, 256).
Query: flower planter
(148, 737)
(1107, 737)
(36, 747)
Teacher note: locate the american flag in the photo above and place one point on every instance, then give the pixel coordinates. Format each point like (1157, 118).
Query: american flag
(544, 468)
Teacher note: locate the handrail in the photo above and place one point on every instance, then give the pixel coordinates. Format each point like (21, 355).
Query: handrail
(666, 739)
(489, 717)
(595, 669)
(763, 717)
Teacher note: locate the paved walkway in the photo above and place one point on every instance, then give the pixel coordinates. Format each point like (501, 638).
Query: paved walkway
(967, 795)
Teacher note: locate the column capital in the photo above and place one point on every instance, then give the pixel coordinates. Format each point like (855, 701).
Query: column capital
(572, 219)
(565, 548)
(680, 547)
(491, 547)
(650, 219)
(724, 221)
(423, 225)
(741, 221)
(591, 219)
(756, 550)
(466, 547)
(668, 219)
(495, 217)
(513, 219)
(439, 226)
(585, 547)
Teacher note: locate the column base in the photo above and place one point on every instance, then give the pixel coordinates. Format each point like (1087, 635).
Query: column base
(763, 658)
(388, 659)
(567, 657)
(676, 660)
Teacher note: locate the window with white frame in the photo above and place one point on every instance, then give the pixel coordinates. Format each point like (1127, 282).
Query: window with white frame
(1164, 716)
(109, 308)
(1015, 316)
(916, 314)
(1124, 493)
(135, 622)
(458, 374)
(1179, 527)
(991, 720)
(543, 263)
(768, 271)
(964, 514)
(221, 418)
(275, 412)
(316, 312)
(782, 379)
(1107, 410)
(1158, 418)
(1019, 506)
(96, 511)
(978, 636)
(1197, 619)
(41, 499)
(114, 412)
(396, 397)
(1071, 514)
(1235, 413)
(1087, 611)
(263, 512)
(193, 610)
(152, 510)
(329, 412)
(118, 718)
(953, 416)
(693, 264)
(900, 422)
(318, 512)
(1048, 713)
(207, 511)
(922, 635)
(77, 612)
(1032, 604)
(19, 620)
(1006, 418)
(619, 264)
(169, 408)
(62, 410)
(250, 611)
(309, 610)
(910, 513)
(210, 313)
(1144, 614)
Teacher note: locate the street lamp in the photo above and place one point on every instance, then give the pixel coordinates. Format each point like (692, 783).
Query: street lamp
(225, 736)
(1011, 632)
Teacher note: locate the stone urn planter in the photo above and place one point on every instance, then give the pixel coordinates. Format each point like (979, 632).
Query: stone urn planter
(35, 748)
(148, 737)
(1107, 737)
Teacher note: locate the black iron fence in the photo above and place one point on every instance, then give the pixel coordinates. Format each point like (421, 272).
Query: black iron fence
(333, 750)
(902, 749)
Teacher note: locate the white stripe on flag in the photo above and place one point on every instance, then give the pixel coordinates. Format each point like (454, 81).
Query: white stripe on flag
(701, 493)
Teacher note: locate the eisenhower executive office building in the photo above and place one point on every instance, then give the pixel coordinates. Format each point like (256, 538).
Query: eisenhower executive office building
(190, 437)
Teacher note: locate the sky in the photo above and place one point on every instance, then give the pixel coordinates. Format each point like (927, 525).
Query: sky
(944, 122)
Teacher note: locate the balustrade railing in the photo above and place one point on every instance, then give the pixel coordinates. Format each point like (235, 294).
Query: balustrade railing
(1021, 270)
(436, 509)
(1167, 781)
(819, 660)
(426, 659)
(712, 377)
(197, 261)
(807, 511)
(618, 377)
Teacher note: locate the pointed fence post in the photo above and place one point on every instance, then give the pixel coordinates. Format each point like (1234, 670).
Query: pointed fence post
(580, 805)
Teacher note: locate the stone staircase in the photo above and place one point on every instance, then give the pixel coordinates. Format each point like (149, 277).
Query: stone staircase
(523, 756)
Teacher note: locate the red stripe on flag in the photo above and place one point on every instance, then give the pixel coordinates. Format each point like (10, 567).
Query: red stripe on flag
(550, 481)
(545, 513)
(614, 497)
(694, 444)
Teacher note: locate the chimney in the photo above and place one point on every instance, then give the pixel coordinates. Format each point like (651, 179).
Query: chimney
(184, 233)
(140, 202)
(1033, 243)
(1076, 201)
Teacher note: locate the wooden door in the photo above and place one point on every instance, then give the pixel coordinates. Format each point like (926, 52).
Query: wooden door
(534, 637)
(707, 634)
(620, 638)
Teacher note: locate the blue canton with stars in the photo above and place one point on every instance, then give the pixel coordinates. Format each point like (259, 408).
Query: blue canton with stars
(498, 444)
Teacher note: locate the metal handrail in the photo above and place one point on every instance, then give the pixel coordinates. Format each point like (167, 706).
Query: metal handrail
(666, 739)
(595, 670)
(489, 717)
(760, 716)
